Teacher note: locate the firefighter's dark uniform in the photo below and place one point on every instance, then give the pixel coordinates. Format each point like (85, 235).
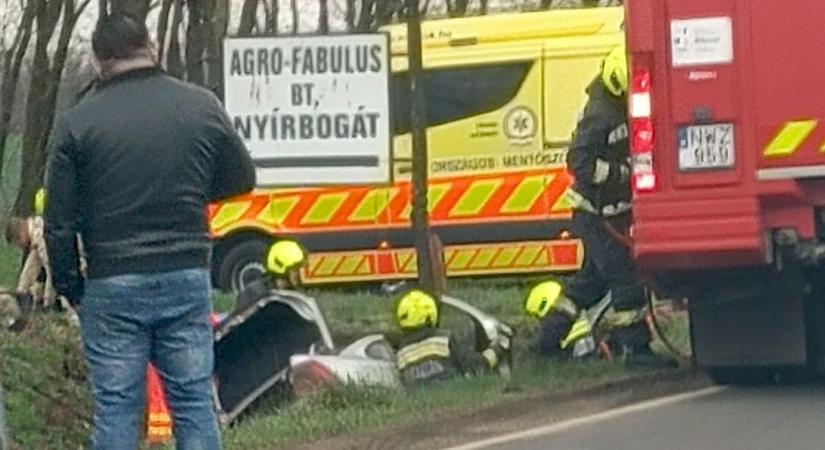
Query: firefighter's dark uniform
(430, 355)
(598, 159)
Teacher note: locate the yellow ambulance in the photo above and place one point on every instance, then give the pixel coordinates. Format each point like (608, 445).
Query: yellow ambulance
(503, 94)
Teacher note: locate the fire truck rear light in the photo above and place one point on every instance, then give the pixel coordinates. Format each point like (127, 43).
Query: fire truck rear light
(641, 135)
(640, 105)
(644, 182)
(641, 81)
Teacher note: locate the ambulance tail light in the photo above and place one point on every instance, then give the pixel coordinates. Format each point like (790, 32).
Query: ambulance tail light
(641, 131)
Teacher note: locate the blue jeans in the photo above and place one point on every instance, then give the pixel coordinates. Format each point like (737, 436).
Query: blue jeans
(126, 322)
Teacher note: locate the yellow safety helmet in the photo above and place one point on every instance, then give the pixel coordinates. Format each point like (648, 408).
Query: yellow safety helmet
(416, 309)
(284, 256)
(614, 71)
(40, 202)
(542, 298)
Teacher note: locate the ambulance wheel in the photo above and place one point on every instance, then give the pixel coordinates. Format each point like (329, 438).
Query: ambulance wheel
(242, 264)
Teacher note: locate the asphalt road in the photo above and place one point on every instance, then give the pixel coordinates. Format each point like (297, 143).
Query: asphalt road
(787, 418)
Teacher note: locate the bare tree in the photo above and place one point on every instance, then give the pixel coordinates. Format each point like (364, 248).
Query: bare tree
(174, 58)
(249, 11)
(47, 71)
(214, 49)
(293, 5)
(12, 65)
(196, 41)
(349, 17)
(274, 11)
(458, 8)
(367, 16)
(163, 26)
(323, 16)
(136, 8)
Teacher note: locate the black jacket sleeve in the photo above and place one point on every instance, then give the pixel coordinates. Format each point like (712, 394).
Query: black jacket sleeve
(588, 143)
(62, 221)
(234, 171)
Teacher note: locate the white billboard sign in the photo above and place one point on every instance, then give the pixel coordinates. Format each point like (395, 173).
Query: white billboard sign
(313, 109)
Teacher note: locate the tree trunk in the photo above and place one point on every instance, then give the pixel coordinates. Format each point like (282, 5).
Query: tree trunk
(136, 8)
(384, 12)
(248, 13)
(196, 42)
(274, 12)
(459, 8)
(174, 63)
(483, 7)
(38, 110)
(546, 4)
(12, 64)
(323, 16)
(350, 15)
(163, 27)
(367, 16)
(293, 4)
(43, 93)
(102, 9)
(214, 52)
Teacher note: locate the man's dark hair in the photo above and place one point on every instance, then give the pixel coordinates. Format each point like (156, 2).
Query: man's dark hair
(119, 36)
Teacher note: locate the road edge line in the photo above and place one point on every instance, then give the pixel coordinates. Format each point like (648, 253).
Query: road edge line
(545, 430)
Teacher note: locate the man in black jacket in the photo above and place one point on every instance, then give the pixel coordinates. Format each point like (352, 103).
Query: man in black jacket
(601, 195)
(131, 169)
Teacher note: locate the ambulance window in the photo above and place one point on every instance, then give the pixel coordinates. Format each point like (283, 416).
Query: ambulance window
(459, 92)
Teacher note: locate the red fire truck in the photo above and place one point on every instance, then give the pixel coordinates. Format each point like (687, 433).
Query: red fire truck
(729, 174)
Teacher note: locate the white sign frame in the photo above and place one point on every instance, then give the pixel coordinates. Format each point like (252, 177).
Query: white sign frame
(307, 128)
(701, 41)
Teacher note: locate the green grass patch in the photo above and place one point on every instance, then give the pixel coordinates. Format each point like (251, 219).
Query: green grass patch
(350, 410)
(48, 404)
(45, 381)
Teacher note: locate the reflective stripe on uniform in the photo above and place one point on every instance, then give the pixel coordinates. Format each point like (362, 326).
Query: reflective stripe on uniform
(580, 329)
(619, 319)
(578, 201)
(432, 347)
(601, 171)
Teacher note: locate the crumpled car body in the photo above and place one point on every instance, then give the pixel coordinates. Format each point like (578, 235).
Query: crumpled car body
(283, 342)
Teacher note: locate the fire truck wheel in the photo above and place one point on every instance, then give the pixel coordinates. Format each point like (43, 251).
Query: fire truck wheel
(242, 264)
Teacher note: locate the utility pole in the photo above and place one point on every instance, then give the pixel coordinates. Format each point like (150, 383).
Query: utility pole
(418, 126)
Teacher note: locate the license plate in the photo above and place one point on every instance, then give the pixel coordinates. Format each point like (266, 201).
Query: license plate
(703, 147)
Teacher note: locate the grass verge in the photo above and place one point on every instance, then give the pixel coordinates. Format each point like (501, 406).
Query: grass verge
(350, 410)
(48, 402)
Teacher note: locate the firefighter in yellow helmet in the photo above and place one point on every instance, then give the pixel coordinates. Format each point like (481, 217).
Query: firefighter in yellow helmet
(599, 161)
(568, 330)
(564, 330)
(428, 353)
(283, 263)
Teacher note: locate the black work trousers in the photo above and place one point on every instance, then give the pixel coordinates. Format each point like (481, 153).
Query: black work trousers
(608, 267)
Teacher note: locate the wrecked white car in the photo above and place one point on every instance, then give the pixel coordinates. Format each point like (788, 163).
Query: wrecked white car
(281, 343)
